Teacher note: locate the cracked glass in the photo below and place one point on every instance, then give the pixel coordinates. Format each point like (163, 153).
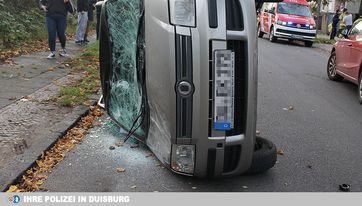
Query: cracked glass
(126, 102)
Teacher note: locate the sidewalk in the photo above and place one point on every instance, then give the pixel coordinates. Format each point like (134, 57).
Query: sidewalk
(30, 121)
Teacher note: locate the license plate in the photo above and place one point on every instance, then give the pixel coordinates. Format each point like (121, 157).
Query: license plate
(297, 37)
(224, 90)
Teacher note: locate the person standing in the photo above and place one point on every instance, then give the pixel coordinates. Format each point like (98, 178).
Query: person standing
(98, 11)
(90, 18)
(56, 21)
(82, 8)
(347, 20)
(335, 22)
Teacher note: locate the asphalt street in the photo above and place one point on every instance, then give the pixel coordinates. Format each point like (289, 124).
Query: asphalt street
(314, 121)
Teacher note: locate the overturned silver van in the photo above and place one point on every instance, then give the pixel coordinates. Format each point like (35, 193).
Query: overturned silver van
(181, 76)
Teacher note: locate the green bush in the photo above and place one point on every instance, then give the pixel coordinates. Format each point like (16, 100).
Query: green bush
(23, 21)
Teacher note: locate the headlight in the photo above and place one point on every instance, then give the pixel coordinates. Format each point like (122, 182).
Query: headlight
(183, 12)
(311, 27)
(183, 158)
(281, 22)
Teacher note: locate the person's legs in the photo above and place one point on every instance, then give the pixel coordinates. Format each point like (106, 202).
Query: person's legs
(82, 25)
(51, 25)
(333, 33)
(61, 28)
(86, 32)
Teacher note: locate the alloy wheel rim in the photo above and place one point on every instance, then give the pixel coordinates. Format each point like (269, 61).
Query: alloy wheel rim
(332, 66)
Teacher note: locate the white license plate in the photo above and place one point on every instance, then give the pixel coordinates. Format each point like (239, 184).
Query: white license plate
(297, 37)
(224, 90)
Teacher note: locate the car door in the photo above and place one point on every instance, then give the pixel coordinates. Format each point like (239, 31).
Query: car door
(342, 55)
(354, 47)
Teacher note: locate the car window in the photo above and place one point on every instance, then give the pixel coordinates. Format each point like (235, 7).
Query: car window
(295, 9)
(357, 29)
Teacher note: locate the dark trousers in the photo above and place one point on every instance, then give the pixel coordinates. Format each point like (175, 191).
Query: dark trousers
(57, 24)
(333, 33)
(99, 10)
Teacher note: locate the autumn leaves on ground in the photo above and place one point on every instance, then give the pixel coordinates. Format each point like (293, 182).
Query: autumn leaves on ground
(34, 177)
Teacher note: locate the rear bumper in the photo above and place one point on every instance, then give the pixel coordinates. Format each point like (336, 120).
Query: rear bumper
(175, 54)
(294, 33)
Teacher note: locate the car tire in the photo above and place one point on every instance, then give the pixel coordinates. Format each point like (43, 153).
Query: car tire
(260, 33)
(272, 38)
(331, 68)
(264, 156)
(308, 43)
(360, 88)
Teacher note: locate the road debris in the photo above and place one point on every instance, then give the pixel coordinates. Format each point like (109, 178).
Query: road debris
(120, 169)
(344, 187)
(12, 98)
(119, 144)
(309, 166)
(134, 146)
(112, 147)
(290, 108)
(134, 187)
(280, 152)
(149, 155)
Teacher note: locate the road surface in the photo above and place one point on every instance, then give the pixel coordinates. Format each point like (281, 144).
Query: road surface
(314, 121)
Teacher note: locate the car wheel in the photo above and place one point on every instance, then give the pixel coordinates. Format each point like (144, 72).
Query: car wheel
(264, 156)
(260, 33)
(272, 38)
(331, 68)
(308, 43)
(360, 88)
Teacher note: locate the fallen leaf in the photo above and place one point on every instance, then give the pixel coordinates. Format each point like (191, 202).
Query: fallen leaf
(119, 144)
(13, 188)
(280, 152)
(51, 69)
(120, 169)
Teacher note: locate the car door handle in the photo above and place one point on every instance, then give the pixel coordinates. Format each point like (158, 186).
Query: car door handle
(349, 45)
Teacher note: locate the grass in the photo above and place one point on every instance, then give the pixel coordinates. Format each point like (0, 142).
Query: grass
(86, 63)
(324, 41)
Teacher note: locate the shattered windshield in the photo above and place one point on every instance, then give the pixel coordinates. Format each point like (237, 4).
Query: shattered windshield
(126, 104)
(294, 9)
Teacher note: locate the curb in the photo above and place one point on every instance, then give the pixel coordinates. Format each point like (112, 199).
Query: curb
(18, 170)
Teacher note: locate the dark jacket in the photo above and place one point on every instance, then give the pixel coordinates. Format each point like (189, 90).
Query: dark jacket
(54, 7)
(335, 20)
(82, 5)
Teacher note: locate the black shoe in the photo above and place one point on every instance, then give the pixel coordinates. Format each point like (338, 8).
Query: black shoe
(86, 40)
(79, 42)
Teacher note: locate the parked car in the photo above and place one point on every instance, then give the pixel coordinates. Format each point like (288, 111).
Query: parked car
(290, 19)
(181, 76)
(345, 61)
